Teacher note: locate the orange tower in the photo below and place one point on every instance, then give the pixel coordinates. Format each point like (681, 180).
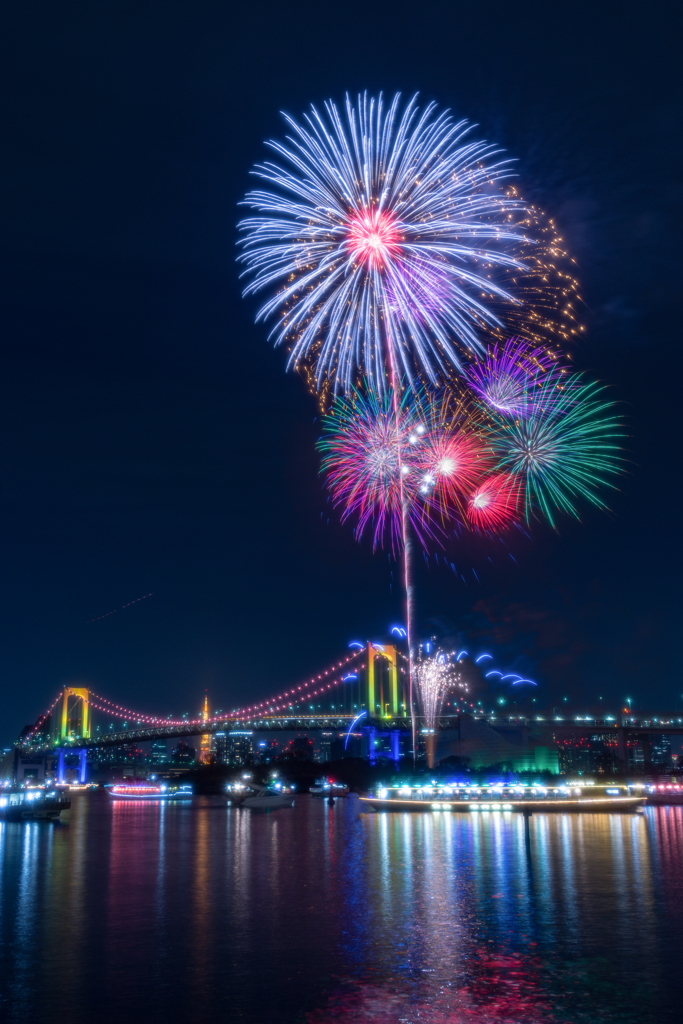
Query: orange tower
(205, 747)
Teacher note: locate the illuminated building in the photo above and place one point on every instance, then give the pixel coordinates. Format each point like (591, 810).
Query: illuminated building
(325, 752)
(660, 751)
(220, 747)
(183, 755)
(233, 748)
(159, 752)
(596, 753)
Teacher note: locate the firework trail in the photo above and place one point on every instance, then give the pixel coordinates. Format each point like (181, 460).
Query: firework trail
(382, 237)
(565, 449)
(400, 465)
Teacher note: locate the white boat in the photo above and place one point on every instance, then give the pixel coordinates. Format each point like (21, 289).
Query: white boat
(261, 798)
(326, 787)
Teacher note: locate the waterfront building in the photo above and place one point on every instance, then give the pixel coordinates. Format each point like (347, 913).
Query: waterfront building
(660, 751)
(183, 755)
(597, 753)
(233, 748)
(159, 752)
(324, 753)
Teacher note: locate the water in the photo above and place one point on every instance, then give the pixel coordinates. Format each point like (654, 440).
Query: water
(198, 913)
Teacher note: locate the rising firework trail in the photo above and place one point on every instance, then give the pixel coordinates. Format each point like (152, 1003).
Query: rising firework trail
(402, 466)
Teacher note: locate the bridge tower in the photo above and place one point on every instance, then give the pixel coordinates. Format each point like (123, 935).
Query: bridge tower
(205, 745)
(80, 693)
(388, 652)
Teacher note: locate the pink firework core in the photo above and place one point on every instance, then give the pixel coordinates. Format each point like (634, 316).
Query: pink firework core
(372, 236)
(494, 504)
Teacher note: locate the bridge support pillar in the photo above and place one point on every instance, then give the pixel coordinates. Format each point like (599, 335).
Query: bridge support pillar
(395, 749)
(60, 768)
(83, 767)
(622, 752)
(372, 756)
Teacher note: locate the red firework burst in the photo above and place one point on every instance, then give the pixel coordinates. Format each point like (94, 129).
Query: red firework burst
(452, 465)
(495, 503)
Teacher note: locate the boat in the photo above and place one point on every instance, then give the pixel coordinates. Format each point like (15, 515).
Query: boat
(526, 800)
(33, 804)
(261, 798)
(328, 787)
(143, 791)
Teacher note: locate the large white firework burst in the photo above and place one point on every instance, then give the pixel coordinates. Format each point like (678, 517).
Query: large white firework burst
(381, 241)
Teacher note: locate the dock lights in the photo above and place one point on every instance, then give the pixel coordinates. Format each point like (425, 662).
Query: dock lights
(442, 807)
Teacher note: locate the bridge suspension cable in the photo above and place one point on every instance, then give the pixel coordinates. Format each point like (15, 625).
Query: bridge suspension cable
(324, 681)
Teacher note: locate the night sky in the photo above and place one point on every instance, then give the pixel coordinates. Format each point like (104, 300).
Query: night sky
(151, 439)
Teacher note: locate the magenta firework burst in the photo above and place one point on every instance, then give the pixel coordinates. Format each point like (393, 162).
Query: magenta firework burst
(380, 234)
(383, 458)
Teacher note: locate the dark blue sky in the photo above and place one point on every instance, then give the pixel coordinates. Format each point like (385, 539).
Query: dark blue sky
(151, 440)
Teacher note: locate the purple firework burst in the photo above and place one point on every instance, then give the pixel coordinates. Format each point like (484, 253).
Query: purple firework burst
(515, 377)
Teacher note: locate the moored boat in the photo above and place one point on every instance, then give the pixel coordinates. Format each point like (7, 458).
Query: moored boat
(34, 804)
(261, 798)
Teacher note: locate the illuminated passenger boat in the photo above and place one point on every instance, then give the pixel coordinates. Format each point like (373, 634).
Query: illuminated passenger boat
(500, 798)
(141, 791)
(33, 804)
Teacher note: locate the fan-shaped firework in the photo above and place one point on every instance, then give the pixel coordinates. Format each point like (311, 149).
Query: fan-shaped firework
(566, 448)
(382, 457)
(494, 504)
(383, 238)
(511, 377)
(437, 675)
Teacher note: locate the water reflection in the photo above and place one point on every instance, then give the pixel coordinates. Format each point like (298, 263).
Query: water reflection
(317, 913)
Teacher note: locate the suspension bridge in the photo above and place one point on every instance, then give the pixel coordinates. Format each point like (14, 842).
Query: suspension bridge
(369, 686)
(367, 690)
